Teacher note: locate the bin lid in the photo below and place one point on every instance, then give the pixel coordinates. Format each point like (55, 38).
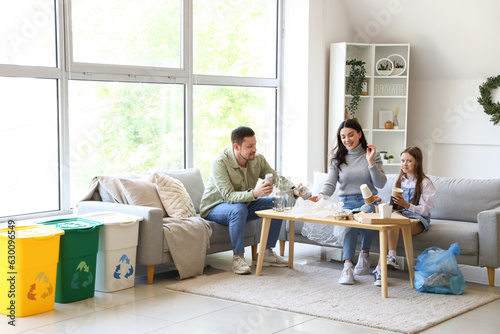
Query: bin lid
(72, 223)
(111, 217)
(31, 231)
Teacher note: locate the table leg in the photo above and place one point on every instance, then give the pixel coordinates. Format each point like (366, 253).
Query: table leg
(408, 242)
(383, 261)
(264, 233)
(291, 243)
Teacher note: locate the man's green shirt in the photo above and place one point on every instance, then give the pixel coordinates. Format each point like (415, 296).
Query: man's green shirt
(226, 183)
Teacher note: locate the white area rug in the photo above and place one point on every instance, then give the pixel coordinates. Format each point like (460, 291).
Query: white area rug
(313, 290)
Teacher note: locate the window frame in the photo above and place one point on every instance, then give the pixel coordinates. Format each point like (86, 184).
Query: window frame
(66, 69)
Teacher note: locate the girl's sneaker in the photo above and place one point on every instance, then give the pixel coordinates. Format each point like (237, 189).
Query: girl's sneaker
(392, 263)
(378, 278)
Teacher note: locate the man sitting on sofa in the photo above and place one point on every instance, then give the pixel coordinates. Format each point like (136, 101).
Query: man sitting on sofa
(233, 195)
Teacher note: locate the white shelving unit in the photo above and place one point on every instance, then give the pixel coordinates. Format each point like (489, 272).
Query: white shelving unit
(386, 94)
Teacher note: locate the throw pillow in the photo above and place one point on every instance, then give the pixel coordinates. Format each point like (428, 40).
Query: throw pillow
(174, 196)
(141, 192)
(319, 180)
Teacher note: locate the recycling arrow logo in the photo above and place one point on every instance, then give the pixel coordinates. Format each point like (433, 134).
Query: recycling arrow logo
(82, 277)
(43, 285)
(123, 266)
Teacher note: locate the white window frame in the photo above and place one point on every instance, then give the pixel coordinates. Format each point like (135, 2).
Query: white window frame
(66, 69)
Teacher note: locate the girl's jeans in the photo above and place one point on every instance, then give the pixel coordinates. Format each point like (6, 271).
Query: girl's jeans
(351, 238)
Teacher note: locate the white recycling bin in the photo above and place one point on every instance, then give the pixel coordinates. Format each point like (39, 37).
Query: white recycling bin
(116, 257)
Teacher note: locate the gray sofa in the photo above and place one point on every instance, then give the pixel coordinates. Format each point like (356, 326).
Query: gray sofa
(466, 211)
(152, 249)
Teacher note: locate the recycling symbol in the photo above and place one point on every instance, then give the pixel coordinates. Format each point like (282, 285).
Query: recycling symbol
(123, 266)
(82, 276)
(43, 285)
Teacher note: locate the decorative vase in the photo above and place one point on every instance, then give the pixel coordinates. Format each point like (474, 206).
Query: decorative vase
(388, 125)
(395, 122)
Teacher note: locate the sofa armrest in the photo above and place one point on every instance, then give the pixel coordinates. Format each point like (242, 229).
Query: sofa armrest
(150, 245)
(489, 238)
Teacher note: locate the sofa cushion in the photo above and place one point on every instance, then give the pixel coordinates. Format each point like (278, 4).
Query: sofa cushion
(319, 179)
(142, 192)
(173, 195)
(385, 192)
(192, 181)
(443, 233)
(463, 199)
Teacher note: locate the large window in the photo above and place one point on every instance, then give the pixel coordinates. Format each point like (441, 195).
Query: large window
(235, 38)
(28, 33)
(29, 171)
(123, 127)
(218, 110)
(144, 33)
(107, 87)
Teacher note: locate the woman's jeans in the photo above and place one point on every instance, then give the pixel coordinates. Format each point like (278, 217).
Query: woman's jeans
(237, 215)
(351, 238)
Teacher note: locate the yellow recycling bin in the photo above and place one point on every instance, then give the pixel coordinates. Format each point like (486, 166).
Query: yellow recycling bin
(28, 269)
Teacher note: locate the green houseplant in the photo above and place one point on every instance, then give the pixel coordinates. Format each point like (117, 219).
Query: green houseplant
(355, 81)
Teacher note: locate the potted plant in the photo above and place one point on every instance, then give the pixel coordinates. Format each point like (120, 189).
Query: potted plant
(355, 82)
(391, 159)
(383, 155)
(398, 69)
(384, 68)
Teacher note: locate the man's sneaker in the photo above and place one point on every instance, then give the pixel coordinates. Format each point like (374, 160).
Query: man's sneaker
(363, 265)
(392, 263)
(272, 259)
(378, 278)
(347, 276)
(240, 266)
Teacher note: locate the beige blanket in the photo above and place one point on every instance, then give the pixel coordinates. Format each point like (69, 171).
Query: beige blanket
(188, 240)
(107, 189)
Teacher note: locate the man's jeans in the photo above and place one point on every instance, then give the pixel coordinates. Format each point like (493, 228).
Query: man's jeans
(237, 215)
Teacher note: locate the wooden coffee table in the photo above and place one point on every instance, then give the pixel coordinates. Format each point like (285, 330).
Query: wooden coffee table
(330, 220)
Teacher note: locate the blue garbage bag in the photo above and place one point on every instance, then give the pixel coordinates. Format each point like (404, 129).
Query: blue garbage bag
(437, 271)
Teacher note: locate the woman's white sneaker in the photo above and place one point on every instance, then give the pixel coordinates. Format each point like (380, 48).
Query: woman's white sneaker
(363, 265)
(347, 276)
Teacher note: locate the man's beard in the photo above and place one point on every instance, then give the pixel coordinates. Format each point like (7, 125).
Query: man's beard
(246, 159)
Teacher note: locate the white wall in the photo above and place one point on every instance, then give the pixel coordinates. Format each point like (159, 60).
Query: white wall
(295, 90)
(308, 24)
(454, 49)
(303, 94)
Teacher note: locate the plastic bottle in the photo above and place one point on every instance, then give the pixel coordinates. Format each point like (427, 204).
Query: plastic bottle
(279, 195)
(304, 190)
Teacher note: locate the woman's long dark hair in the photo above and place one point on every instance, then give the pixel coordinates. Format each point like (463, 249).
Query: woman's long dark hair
(340, 151)
(416, 153)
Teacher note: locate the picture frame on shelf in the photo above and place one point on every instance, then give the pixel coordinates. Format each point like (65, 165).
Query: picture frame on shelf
(364, 88)
(384, 116)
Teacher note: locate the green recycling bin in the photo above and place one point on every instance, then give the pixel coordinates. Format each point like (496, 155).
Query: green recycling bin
(76, 269)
